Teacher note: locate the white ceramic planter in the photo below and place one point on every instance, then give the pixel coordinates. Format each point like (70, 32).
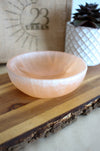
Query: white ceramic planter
(83, 42)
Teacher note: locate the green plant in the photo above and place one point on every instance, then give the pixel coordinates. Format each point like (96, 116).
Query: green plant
(87, 15)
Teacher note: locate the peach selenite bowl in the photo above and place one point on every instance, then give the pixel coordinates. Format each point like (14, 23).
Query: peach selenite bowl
(46, 74)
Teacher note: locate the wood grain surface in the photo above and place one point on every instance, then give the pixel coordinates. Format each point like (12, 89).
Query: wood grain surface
(23, 117)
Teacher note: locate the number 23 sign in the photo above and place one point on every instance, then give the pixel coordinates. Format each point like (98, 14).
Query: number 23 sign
(37, 24)
(40, 19)
(33, 18)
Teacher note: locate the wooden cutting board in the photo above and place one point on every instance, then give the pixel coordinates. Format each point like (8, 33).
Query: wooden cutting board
(24, 119)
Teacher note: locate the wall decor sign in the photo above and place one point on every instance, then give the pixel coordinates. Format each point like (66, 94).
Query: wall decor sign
(29, 22)
(32, 25)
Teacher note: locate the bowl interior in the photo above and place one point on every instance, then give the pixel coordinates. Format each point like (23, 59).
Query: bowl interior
(46, 65)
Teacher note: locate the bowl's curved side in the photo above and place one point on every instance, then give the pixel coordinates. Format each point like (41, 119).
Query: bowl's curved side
(46, 88)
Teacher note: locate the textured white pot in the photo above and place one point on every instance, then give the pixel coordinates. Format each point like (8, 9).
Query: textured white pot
(83, 42)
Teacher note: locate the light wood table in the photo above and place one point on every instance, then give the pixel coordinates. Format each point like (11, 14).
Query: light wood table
(24, 119)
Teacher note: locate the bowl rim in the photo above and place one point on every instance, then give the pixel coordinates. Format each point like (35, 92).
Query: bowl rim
(26, 77)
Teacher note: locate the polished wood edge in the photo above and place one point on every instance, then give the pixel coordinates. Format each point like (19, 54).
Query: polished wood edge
(51, 126)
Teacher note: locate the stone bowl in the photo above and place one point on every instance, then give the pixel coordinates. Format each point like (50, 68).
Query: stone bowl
(46, 74)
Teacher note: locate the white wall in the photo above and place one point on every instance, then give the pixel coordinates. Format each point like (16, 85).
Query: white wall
(76, 3)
